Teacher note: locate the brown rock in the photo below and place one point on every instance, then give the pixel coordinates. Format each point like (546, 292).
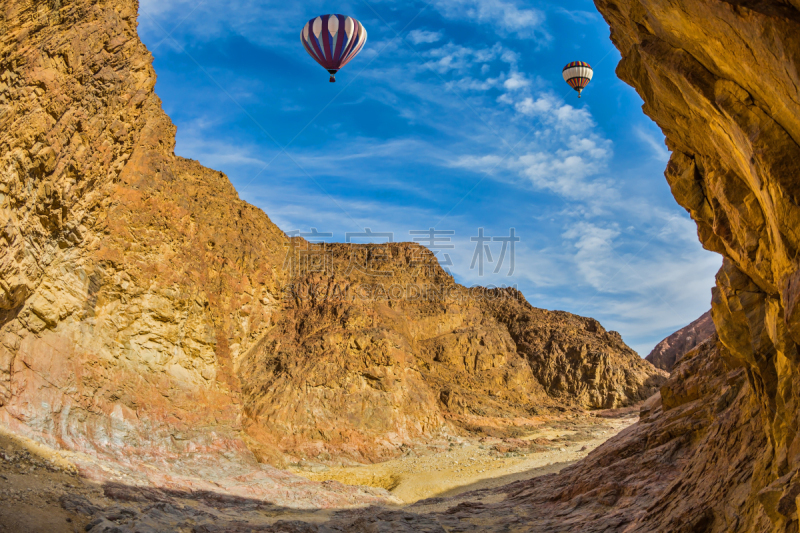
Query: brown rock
(357, 365)
(721, 79)
(670, 350)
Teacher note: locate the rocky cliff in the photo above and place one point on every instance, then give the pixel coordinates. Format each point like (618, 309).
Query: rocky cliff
(355, 359)
(670, 350)
(721, 79)
(146, 312)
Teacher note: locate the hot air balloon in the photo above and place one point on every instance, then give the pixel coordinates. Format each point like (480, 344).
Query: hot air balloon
(578, 74)
(333, 40)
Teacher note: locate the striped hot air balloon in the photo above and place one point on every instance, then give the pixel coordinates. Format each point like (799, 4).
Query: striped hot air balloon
(333, 40)
(578, 74)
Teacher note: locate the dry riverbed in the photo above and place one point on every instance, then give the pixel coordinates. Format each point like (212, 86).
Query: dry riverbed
(461, 464)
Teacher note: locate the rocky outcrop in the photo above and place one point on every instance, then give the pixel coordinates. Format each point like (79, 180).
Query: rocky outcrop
(721, 80)
(359, 363)
(147, 312)
(575, 357)
(670, 350)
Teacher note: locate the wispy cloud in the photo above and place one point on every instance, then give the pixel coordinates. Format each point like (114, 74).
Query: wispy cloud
(453, 57)
(504, 16)
(516, 81)
(424, 36)
(657, 147)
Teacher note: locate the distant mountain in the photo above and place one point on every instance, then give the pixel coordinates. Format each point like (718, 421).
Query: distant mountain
(668, 351)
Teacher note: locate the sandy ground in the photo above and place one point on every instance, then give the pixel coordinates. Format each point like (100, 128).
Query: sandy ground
(33, 478)
(464, 464)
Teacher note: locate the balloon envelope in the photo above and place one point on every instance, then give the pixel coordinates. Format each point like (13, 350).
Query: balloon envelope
(333, 41)
(578, 75)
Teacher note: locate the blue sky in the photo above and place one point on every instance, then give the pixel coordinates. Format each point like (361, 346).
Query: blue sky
(453, 117)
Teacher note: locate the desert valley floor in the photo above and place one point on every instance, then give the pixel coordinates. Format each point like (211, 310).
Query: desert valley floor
(44, 490)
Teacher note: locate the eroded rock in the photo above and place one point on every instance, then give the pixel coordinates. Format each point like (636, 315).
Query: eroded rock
(670, 350)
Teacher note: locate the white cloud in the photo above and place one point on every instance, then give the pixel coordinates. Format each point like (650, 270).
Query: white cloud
(566, 171)
(594, 254)
(564, 155)
(516, 81)
(453, 57)
(529, 106)
(553, 111)
(472, 84)
(424, 37)
(504, 16)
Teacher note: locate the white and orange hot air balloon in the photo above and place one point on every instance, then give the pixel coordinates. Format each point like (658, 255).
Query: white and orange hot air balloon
(578, 75)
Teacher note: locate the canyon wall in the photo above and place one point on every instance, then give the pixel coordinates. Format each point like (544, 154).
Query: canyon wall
(721, 80)
(147, 312)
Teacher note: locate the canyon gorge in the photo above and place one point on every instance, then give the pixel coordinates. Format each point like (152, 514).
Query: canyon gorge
(171, 347)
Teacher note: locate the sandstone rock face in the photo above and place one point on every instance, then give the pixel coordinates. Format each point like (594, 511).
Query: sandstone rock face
(721, 79)
(147, 314)
(119, 303)
(670, 350)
